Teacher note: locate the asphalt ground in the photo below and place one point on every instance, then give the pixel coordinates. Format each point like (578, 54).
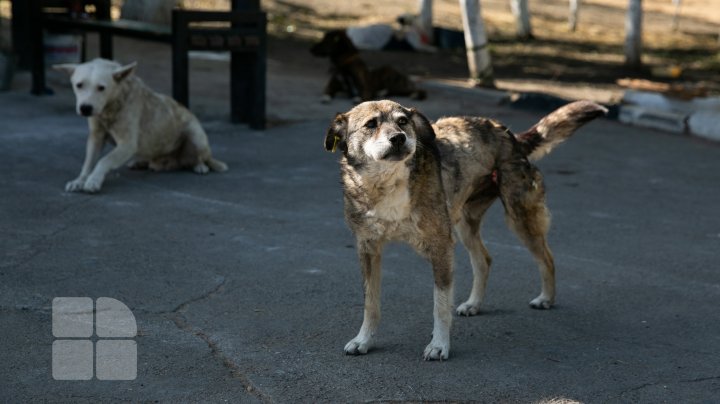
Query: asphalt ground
(245, 285)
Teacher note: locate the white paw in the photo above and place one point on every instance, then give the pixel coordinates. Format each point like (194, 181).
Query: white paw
(75, 185)
(358, 346)
(201, 169)
(92, 185)
(325, 99)
(437, 350)
(468, 309)
(541, 302)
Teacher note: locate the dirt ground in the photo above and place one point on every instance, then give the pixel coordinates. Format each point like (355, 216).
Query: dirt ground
(585, 63)
(581, 64)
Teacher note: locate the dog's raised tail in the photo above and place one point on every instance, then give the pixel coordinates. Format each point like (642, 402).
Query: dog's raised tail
(217, 165)
(554, 128)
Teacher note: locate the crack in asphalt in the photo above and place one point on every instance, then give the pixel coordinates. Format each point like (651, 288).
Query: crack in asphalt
(182, 323)
(644, 385)
(40, 245)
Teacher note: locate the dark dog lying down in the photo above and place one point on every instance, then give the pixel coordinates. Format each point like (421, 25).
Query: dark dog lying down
(351, 75)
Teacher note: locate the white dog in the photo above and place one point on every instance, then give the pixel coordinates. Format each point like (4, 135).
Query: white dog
(150, 128)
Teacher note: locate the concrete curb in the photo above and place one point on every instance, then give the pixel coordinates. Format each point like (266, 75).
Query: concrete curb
(699, 117)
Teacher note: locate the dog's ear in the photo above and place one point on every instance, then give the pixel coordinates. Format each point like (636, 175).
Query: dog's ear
(68, 68)
(422, 126)
(123, 72)
(336, 133)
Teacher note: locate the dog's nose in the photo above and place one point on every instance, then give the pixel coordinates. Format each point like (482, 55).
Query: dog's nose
(398, 139)
(86, 110)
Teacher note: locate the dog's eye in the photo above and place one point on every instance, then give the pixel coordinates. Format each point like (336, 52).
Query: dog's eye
(79, 85)
(402, 121)
(371, 124)
(101, 88)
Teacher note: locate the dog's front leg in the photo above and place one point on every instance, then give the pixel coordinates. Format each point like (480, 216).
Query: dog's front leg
(370, 257)
(442, 263)
(333, 86)
(116, 158)
(95, 143)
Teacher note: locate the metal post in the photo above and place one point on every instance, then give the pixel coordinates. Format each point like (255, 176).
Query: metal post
(103, 12)
(22, 15)
(37, 45)
(180, 63)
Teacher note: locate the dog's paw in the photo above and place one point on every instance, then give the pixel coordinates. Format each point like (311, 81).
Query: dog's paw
(358, 346)
(138, 165)
(325, 99)
(201, 169)
(75, 185)
(468, 309)
(437, 350)
(92, 185)
(541, 303)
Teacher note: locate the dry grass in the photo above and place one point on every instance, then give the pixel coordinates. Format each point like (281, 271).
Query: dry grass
(597, 44)
(592, 54)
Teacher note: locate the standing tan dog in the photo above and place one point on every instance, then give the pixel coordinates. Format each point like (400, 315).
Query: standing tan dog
(402, 182)
(151, 128)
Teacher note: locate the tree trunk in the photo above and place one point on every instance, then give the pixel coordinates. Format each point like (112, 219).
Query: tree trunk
(476, 44)
(633, 34)
(573, 18)
(426, 18)
(522, 18)
(153, 11)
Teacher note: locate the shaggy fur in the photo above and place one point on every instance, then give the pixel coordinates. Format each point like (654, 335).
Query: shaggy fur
(405, 179)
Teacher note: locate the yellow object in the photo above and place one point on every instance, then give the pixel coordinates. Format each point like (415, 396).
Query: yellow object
(675, 71)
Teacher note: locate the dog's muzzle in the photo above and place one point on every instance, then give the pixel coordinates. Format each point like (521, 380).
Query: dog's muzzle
(86, 110)
(398, 149)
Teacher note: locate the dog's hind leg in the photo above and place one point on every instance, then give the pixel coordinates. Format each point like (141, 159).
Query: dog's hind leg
(370, 258)
(201, 160)
(523, 195)
(468, 230)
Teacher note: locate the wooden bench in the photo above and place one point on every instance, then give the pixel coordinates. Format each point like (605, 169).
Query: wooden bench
(242, 33)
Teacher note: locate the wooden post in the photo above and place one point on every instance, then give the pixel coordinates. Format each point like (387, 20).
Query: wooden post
(476, 44)
(426, 18)
(573, 17)
(633, 34)
(522, 18)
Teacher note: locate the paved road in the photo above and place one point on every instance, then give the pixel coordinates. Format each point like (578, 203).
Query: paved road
(245, 285)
